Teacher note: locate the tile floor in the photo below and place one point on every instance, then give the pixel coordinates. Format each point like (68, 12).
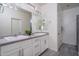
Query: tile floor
(65, 50)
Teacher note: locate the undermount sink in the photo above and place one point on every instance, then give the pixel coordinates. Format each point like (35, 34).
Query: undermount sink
(38, 34)
(16, 37)
(9, 38)
(21, 37)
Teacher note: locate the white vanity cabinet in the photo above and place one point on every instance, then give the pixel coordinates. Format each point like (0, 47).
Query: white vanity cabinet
(27, 48)
(31, 47)
(40, 44)
(44, 43)
(14, 52)
(10, 50)
(28, 51)
(22, 48)
(36, 46)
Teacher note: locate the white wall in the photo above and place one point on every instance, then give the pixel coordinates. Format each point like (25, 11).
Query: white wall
(5, 20)
(35, 19)
(52, 14)
(59, 26)
(69, 24)
(49, 11)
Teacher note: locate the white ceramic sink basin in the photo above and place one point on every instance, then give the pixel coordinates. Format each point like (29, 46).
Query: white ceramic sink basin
(16, 37)
(38, 34)
(9, 38)
(22, 37)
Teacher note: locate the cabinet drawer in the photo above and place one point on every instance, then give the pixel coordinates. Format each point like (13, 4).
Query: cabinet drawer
(36, 40)
(45, 37)
(10, 47)
(14, 52)
(25, 43)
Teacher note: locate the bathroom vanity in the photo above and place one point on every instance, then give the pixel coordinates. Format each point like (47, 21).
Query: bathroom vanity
(33, 45)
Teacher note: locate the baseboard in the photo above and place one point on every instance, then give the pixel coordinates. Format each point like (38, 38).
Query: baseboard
(43, 52)
(66, 44)
(60, 46)
(70, 43)
(78, 53)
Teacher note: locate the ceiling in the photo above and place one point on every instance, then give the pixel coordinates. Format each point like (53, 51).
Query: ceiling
(66, 6)
(37, 4)
(41, 4)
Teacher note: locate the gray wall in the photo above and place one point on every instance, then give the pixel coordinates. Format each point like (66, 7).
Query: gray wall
(69, 24)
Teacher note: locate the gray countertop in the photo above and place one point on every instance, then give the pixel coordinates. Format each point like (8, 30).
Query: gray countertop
(5, 42)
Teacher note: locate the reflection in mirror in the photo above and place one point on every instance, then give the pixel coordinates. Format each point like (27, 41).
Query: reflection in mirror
(16, 26)
(14, 22)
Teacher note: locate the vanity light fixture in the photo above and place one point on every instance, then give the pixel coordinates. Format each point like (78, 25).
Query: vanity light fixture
(5, 4)
(36, 12)
(8, 5)
(1, 8)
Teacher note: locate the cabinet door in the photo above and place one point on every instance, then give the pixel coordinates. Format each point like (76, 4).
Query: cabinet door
(10, 50)
(28, 51)
(14, 52)
(44, 43)
(36, 48)
(26, 48)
